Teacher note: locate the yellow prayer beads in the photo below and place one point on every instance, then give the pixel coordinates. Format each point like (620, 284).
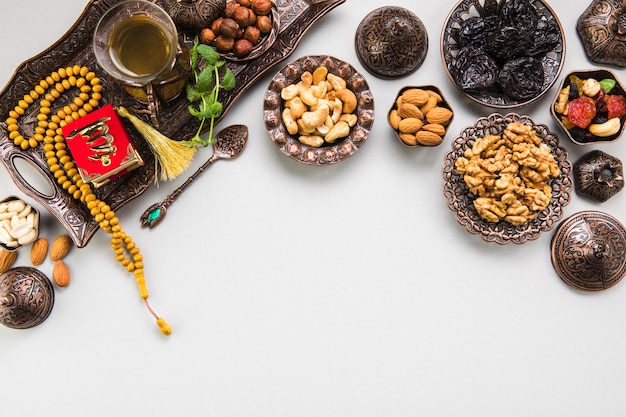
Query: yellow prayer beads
(49, 130)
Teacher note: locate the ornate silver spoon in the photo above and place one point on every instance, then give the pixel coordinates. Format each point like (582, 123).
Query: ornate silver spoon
(230, 143)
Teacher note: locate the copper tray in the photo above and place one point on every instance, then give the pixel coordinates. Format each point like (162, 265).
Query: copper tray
(296, 17)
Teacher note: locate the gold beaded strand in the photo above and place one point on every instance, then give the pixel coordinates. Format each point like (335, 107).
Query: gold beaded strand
(49, 131)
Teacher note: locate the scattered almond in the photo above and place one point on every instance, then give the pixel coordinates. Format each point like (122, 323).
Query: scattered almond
(39, 251)
(7, 259)
(61, 274)
(60, 247)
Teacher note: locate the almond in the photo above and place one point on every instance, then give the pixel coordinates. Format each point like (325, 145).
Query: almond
(7, 259)
(394, 119)
(61, 274)
(39, 251)
(426, 138)
(60, 247)
(415, 96)
(435, 128)
(432, 103)
(410, 125)
(439, 115)
(407, 110)
(408, 138)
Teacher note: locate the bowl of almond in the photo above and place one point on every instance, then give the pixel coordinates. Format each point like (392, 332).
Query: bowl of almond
(420, 116)
(318, 110)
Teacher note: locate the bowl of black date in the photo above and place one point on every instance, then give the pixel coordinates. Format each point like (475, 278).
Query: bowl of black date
(590, 106)
(502, 53)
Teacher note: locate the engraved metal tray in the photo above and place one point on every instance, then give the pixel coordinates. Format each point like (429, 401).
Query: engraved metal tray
(296, 18)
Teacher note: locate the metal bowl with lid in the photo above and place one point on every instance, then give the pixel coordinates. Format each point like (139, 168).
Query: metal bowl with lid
(588, 251)
(391, 42)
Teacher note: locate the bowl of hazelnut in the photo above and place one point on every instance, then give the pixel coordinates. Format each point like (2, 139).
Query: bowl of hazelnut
(318, 110)
(590, 107)
(244, 30)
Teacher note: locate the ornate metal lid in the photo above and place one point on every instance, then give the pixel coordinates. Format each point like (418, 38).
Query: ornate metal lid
(602, 29)
(391, 42)
(26, 297)
(588, 251)
(598, 175)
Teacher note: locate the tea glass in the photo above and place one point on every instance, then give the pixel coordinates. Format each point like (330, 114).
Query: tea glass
(150, 73)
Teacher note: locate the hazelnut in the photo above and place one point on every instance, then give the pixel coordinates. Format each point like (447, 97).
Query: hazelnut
(229, 11)
(242, 48)
(207, 36)
(252, 34)
(224, 43)
(251, 18)
(242, 16)
(229, 28)
(264, 23)
(245, 3)
(261, 7)
(215, 26)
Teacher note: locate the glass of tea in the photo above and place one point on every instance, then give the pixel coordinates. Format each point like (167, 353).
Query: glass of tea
(136, 43)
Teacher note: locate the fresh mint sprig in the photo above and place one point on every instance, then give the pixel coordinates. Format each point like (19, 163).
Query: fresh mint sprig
(204, 92)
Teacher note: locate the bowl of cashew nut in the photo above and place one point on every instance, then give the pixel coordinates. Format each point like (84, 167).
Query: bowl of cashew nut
(318, 110)
(507, 178)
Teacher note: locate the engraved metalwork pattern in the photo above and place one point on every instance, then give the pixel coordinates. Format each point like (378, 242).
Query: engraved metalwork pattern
(296, 18)
(325, 155)
(193, 14)
(26, 297)
(391, 42)
(602, 31)
(552, 62)
(589, 251)
(460, 200)
(598, 175)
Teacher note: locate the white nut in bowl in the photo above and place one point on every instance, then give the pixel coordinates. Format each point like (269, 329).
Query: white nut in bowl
(19, 223)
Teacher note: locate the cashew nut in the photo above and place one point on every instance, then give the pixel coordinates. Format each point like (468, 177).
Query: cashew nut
(315, 118)
(591, 87)
(338, 131)
(319, 75)
(312, 140)
(297, 107)
(608, 128)
(290, 121)
(336, 82)
(348, 99)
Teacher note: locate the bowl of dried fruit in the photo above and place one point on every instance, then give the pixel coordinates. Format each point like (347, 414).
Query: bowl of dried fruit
(502, 53)
(507, 178)
(590, 107)
(318, 110)
(244, 30)
(19, 223)
(420, 116)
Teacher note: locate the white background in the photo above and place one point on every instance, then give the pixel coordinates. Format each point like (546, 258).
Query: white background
(292, 290)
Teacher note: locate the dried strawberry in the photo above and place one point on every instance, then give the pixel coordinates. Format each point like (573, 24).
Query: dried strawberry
(616, 105)
(581, 111)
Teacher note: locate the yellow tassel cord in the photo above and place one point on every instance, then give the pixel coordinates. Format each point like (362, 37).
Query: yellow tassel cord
(49, 132)
(173, 157)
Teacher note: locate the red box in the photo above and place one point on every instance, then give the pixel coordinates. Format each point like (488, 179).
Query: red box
(101, 147)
